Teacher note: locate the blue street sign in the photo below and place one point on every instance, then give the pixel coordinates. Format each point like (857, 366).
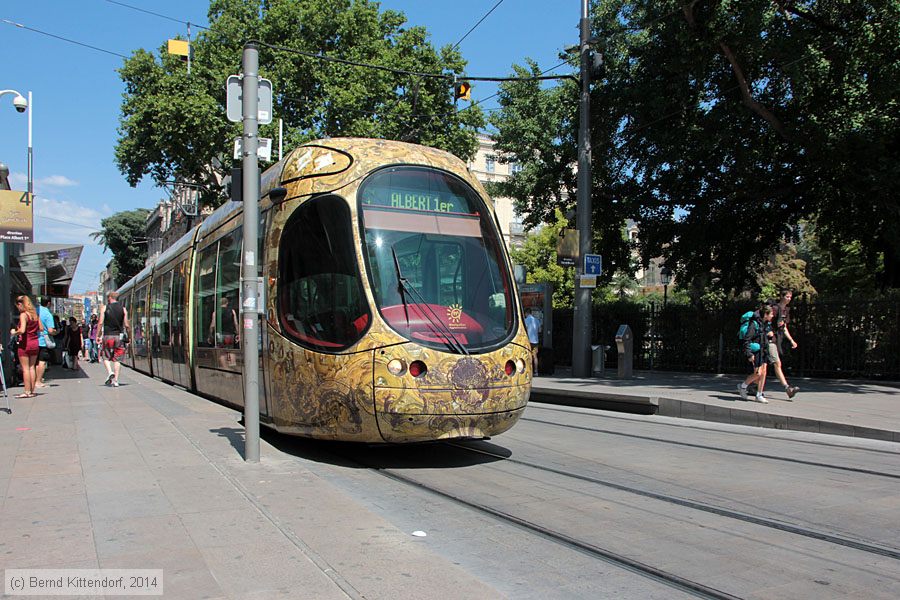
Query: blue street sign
(87, 308)
(593, 264)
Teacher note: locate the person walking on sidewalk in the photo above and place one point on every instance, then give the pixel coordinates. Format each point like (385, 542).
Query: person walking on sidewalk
(755, 346)
(92, 340)
(29, 330)
(776, 346)
(74, 343)
(46, 341)
(533, 328)
(113, 325)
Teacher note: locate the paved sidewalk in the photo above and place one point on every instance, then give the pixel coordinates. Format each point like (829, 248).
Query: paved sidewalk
(147, 476)
(840, 407)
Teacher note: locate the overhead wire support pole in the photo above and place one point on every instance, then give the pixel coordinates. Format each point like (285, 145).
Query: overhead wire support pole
(249, 277)
(581, 322)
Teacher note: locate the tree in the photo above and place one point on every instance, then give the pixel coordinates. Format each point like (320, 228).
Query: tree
(123, 234)
(719, 126)
(173, 124)
(785, 270)
(538, 256)
(837, 269)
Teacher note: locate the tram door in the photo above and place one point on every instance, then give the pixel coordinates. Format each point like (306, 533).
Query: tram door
(539, 298)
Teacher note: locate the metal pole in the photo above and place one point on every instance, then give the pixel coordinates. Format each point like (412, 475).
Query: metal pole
(249, 279)
(280, 139)
(581, 334)
(30, 161)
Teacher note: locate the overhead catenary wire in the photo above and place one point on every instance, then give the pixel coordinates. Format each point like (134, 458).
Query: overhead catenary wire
(160, 15)
(64, 39)
(475, 26)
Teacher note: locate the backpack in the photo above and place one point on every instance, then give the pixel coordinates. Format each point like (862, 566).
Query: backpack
(746, 319)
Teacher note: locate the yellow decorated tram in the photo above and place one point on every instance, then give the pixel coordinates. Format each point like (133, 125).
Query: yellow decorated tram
(390, 311)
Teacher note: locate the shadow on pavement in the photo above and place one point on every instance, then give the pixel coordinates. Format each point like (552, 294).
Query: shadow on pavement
(424, 455)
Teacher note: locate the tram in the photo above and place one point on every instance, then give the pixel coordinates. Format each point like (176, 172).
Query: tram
(389, 311)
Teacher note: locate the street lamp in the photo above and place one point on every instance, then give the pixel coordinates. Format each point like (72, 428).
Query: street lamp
(665, 277)
(21, 105)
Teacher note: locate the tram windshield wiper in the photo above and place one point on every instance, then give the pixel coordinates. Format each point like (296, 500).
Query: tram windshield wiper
(405, 287)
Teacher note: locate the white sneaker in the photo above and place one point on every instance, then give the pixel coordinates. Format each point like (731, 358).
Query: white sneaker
(115, 383)
(761, 398)
(109, 379)
(742, 390)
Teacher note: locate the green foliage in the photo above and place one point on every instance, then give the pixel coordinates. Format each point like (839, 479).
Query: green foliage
(122, 234)
(785, 270)
(838, 269)
(538, 256)
(719, 125)
(173, 125)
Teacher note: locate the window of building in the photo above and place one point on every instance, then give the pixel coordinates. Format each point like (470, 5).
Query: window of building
(321, 301)
(515, 168)
(490, 163)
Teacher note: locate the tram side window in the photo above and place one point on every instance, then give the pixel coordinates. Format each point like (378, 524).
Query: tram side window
(159, 310)
(179, 278)
(206, 296)
(321, 297)
(228, 283)
(140, 321)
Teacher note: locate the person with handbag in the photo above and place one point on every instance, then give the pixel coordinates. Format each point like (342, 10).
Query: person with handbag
(113, 327)
(29, 330)
(46, 341)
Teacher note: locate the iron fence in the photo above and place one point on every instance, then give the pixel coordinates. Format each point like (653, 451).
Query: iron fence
(847, 338)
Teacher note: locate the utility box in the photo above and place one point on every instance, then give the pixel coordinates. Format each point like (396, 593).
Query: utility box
(625, 346)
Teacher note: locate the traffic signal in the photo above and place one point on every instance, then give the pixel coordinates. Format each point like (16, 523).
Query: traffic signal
(462, 90)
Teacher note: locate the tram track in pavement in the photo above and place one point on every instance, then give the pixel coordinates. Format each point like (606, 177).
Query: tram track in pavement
(708, 426)
(774, 457)
(840, 540)
(672, 580)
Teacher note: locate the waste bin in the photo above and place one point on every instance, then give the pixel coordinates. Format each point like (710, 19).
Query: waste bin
(625, 346)
(598, 359)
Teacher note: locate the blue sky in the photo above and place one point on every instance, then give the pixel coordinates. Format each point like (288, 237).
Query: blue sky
(77, 92)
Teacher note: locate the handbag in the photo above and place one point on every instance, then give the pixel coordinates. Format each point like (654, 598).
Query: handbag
(49, 342)
(123, 337)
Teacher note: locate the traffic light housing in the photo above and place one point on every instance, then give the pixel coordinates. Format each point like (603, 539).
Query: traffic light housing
(462, 90)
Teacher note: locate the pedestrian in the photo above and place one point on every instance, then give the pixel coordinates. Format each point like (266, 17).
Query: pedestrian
(30, 329)
(46, 341)
(113, 327)
(74, 343)
(85, 332)
(533, 328)
(755, 346)
(92, 339)
(776, 346)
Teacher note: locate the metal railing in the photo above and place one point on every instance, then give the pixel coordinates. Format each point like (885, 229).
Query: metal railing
(847, 338)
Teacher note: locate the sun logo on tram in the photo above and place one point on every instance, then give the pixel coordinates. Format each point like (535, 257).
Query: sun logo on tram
(454, 313)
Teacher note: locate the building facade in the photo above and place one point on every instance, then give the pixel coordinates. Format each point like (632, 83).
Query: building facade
(488, 168)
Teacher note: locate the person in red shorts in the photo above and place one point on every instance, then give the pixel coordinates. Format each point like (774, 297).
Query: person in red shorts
(30, 327)
(114, 327)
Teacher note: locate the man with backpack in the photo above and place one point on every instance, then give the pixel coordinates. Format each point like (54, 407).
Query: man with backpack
(780, 319)
(754, 334)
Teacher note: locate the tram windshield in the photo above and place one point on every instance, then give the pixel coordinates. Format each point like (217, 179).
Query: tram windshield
(435, 260)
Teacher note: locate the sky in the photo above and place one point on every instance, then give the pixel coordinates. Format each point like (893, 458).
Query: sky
(77, 92)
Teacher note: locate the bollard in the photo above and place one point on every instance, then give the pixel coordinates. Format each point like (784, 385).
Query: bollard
(625, 345)
(598, 359)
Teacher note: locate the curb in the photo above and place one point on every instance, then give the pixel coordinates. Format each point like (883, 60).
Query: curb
(683, 409)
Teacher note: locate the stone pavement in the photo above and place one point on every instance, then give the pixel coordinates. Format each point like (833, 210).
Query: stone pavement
(147, 476)
(840, 407)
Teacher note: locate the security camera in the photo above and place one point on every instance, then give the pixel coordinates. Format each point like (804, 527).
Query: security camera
(20, 103)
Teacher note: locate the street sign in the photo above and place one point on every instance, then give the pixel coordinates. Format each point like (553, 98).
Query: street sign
(233, 97)
(588, 281)
(567, 247)
(593, 264)
(263, 150)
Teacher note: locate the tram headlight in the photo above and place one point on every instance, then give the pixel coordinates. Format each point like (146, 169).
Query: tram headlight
(417, 368)
(397, 367)
(520, 366)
